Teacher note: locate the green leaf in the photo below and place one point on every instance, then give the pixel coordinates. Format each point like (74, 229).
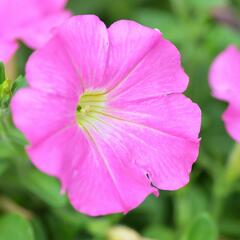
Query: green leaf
(20, 82)
(205, 4)
(189, 202)
(4, 163)
(225, 36)
(45, 187)
(159, 232)
(5, 93)
(72, 217)
(59, 229)
(13, 227)
(2, 73)
(202, 228)
(167, 23)
(232, 171)
(99, 227)
(230, 227)
(38, 229)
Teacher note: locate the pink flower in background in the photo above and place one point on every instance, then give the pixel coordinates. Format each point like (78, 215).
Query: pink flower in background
(225, 82)
(105, 113)
(31, 21)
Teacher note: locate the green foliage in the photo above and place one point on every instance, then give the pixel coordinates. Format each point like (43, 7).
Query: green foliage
(2, 73)
(188, 203)
(8, 88)
(45, 187)
(202, 228)
(206, 209)
(15, 227)
(169, 25)
(5, 88)
(159, 232)
(206, 4)
(20, 82)
(233, 167)
(3, 164)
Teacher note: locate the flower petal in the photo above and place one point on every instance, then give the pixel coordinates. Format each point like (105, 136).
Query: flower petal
(142, 61)
(36, 34)
(51, 6)
(129, 42)
(64, 67)
(225, 74)
(38, 114)
(231, 119)
(60, 153)
(7, 49)
(30, 20)
(167, 159)
(96, 179)
(15, 13)
(174, 114)
(105, 182)
(50, 70)
(85, 39)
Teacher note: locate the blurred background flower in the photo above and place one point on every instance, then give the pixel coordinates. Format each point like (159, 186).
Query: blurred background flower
(208, 208)
(224, 79)
(29, 21)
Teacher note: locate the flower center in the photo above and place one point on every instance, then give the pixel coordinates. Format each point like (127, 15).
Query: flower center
(89, 106)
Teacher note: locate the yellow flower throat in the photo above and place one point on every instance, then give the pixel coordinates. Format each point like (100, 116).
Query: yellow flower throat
(90, 104)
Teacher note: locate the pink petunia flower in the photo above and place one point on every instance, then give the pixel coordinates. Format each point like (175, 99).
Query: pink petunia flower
(104, 112)
(224, 79)
(31, 21)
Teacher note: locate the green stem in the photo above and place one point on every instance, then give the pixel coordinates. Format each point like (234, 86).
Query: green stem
(15, 145)
(219, 191)
(218, 202)
(232, 172)
(224, 179)
(8, 205)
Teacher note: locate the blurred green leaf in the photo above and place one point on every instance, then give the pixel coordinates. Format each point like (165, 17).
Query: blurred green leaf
(5, 93)
(14, 227)
(4, 163)
(121, 9)
(72, 217)
(230, 227)
(84, 7)
(220, 37)
(63, 230)
(232, 171)
(20, 82)
(189, 202)
(45, 187)
(206, 4)
(202, 228)
(159, 232)
(170, 27)
(39, 230)
(2, 73)
(99, 227)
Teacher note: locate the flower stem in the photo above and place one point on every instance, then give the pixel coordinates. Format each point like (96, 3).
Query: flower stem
(8, 205)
